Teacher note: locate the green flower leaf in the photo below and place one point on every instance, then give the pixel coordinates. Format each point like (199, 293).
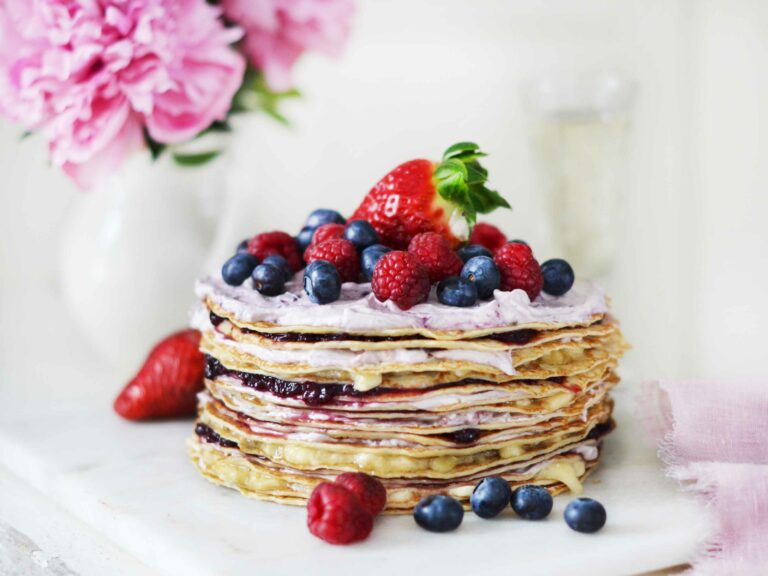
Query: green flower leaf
(195, 159)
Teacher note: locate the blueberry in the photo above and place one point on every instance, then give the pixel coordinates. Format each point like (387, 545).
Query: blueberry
(472, 250)
(558, 276)
(438, 513)
(454, 291)
(324, 216)
(585, 515)
(238, 268)
(490, 497)
(531, 502)
(304, 237)
(361, 234)
(370, 257)
(279, 262)
(321, 282)
(483, 273)
(268, 279)
(518, 241)
(242, 247)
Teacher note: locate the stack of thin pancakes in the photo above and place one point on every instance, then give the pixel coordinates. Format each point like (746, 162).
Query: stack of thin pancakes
(429, 400)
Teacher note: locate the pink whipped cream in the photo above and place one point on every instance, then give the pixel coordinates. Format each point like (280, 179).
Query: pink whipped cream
(358, 310)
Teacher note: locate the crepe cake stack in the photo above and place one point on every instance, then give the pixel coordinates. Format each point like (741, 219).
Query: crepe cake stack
(429, 399)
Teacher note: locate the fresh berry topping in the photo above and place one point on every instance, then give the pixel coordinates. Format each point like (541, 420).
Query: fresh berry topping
(518, 241)
(454, 291)
(361, 234)
(304, 238)
(324, 216)
(327, 232)
(242, 247)
(421, 196)
(321, 282)
(490, 497)
(238, 268)
(436, 254)
(369, 490)
(340, 253)
(269, 279)
(519, 269)
(488, 235)
(483, 273)
(585, 515)
(558, 276)
(471, 250)
(280, 243)
(531, 502)
(280, 263)
(336, 515)
(167, 384)
(438, 513)
(369, 258)
(400, 277)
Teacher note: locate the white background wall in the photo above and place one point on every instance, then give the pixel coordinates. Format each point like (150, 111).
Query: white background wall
(421, 74)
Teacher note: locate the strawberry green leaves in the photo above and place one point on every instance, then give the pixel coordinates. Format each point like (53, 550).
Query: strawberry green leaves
(460, 179)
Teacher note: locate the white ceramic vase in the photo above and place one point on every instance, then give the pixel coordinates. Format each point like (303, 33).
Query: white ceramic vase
(132, 249)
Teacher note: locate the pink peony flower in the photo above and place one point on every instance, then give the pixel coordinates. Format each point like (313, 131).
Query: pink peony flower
(277, 32)
(91, 75)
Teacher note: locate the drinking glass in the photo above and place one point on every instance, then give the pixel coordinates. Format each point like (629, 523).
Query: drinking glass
(578, 131)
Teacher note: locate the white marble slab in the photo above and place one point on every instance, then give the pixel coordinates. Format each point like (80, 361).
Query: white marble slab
(133, 484)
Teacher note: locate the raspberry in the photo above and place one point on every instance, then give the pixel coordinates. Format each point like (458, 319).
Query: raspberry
(435, 253)
(519, 269)
(400, 277)
(276, 243)
(487, 235)
(369, 490)
(327, 232)
(335, 514)
(340, 253)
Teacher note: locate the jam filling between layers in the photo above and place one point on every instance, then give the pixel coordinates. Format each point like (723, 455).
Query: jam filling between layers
(519, 337)
(316, 394)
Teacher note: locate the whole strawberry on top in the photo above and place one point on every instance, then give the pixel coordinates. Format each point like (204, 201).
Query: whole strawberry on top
(423, 196)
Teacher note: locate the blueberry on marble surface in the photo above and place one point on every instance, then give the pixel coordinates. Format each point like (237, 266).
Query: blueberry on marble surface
(585, 515)
(438, 513)
(490, 497)
(531, 502)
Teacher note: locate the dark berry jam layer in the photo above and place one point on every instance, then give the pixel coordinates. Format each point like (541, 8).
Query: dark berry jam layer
(519, 337)
(212, 437)
(311, 393)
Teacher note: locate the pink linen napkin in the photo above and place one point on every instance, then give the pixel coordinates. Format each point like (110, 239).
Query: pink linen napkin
(713, 439)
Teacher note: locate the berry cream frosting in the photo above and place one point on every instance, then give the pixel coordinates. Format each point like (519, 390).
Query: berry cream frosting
(358, 310)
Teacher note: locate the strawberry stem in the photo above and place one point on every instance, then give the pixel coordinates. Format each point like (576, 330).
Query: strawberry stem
(460, 179)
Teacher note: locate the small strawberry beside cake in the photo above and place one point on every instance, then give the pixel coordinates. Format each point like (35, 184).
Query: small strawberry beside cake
(409, 344)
